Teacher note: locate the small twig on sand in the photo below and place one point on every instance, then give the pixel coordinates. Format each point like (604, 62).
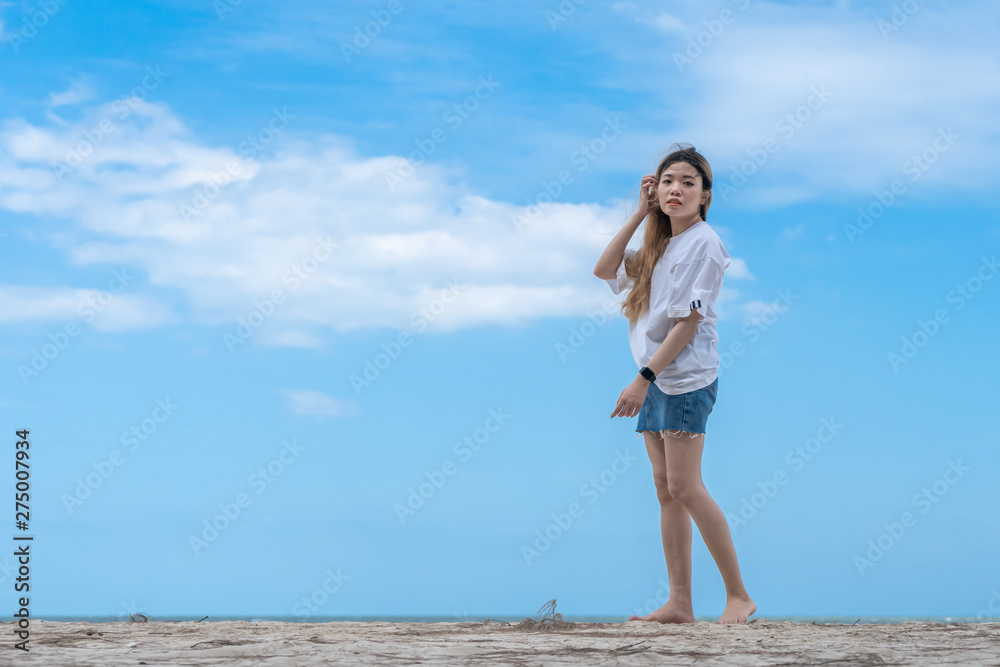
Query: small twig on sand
(545, 619)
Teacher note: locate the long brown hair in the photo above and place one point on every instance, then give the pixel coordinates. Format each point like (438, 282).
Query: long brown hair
(658, 231)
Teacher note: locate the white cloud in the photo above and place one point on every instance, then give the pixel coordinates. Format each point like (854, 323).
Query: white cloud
(666, 22)
(264, 231)
(4, 36)
(76, 93)
(318, 404)
(726, 302)
(738, 269)
(752, 311)
(793, 232)
(885, 100)
(658, 19)
(103, 310)
(756, 312)
(290, 338)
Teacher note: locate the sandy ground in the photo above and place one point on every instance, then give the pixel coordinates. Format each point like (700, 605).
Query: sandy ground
(760, 642)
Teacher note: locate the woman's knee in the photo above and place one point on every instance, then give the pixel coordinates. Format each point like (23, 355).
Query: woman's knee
(663, 490)
(683, 490)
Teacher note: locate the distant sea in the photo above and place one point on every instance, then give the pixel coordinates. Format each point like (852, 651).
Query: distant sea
(840, 620)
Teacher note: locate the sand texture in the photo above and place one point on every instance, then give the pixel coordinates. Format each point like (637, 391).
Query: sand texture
(760, 642)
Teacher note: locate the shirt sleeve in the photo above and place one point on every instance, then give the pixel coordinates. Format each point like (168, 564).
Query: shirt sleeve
(694, 286)
(622, 282)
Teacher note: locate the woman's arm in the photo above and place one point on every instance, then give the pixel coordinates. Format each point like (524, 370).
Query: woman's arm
(611, 258)
(632, 397)
(679, 335)
(692, 287)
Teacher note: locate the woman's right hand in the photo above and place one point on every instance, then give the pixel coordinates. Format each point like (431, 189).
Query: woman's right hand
(645, 196)
(632, 397)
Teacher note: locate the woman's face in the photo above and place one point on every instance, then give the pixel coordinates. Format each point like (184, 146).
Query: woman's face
(680, 192)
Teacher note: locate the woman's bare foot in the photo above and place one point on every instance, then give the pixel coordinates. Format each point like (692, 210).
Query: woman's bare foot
(737, 610)
(672, 612)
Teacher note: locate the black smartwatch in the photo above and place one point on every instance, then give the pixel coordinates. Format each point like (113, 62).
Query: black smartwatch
(647, 373)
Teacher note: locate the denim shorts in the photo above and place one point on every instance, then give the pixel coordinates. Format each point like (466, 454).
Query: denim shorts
(677, 412)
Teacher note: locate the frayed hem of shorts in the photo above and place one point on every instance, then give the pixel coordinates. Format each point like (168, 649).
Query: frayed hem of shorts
(674, 433)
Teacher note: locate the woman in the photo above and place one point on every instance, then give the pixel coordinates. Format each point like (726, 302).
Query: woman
(675, 278)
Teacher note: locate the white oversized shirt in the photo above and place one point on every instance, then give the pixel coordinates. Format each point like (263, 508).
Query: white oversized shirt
(688, 276)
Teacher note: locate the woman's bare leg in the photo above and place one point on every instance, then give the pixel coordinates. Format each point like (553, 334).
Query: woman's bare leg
(683, 465)
(675, 531)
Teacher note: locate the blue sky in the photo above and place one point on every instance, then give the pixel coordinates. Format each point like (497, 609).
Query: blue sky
(251, 270)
